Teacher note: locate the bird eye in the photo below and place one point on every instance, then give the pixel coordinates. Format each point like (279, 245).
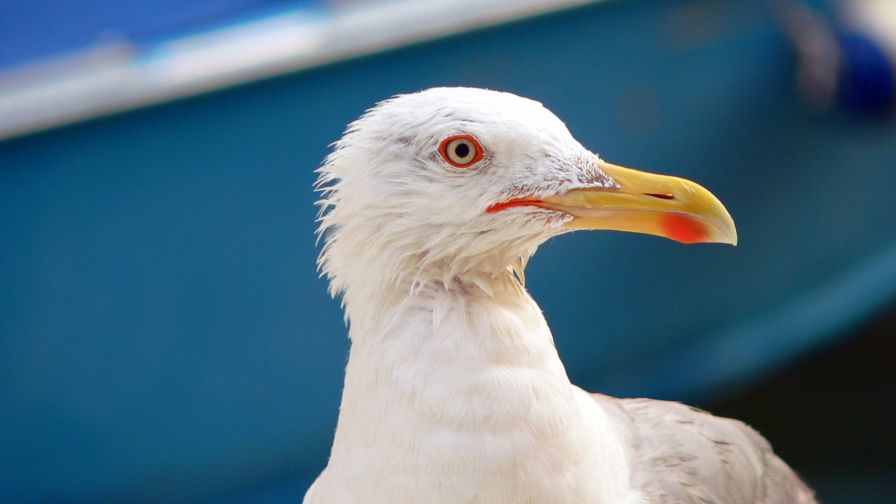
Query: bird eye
(461, 151)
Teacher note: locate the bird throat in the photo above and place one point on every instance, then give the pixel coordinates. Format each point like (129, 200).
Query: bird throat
(458, 384)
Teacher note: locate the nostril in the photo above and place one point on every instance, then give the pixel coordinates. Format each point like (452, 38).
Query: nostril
(660, 195)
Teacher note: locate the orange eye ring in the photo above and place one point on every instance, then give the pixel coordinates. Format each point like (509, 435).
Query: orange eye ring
(461, 151)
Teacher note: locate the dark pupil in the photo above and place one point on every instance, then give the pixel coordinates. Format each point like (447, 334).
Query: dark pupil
(462, 150)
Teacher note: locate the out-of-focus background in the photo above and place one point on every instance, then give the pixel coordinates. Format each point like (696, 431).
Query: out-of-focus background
(164, 335)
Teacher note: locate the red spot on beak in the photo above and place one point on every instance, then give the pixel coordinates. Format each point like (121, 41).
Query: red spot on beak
(684, 229)
(497, 207)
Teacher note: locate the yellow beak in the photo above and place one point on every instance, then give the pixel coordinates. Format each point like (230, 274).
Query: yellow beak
(647, 203)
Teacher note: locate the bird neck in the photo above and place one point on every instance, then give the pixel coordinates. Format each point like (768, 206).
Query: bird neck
(463, 386)
(477, 320)
(445, 348)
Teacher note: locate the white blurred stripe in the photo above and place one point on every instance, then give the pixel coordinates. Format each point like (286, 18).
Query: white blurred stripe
(82, 87)
(876, 18)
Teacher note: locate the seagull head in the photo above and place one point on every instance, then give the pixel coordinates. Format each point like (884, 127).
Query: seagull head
(454, 182)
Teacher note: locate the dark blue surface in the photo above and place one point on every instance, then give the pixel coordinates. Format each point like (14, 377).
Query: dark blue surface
(867, 76)
(163, 331)
(34, 29)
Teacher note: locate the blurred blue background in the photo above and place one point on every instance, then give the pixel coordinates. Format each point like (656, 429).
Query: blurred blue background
(34, 30)
(164, 335)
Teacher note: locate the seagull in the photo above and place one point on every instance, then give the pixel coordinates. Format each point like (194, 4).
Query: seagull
(431, 204)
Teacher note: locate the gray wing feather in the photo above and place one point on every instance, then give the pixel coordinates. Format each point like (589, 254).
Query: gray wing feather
(685, 455)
